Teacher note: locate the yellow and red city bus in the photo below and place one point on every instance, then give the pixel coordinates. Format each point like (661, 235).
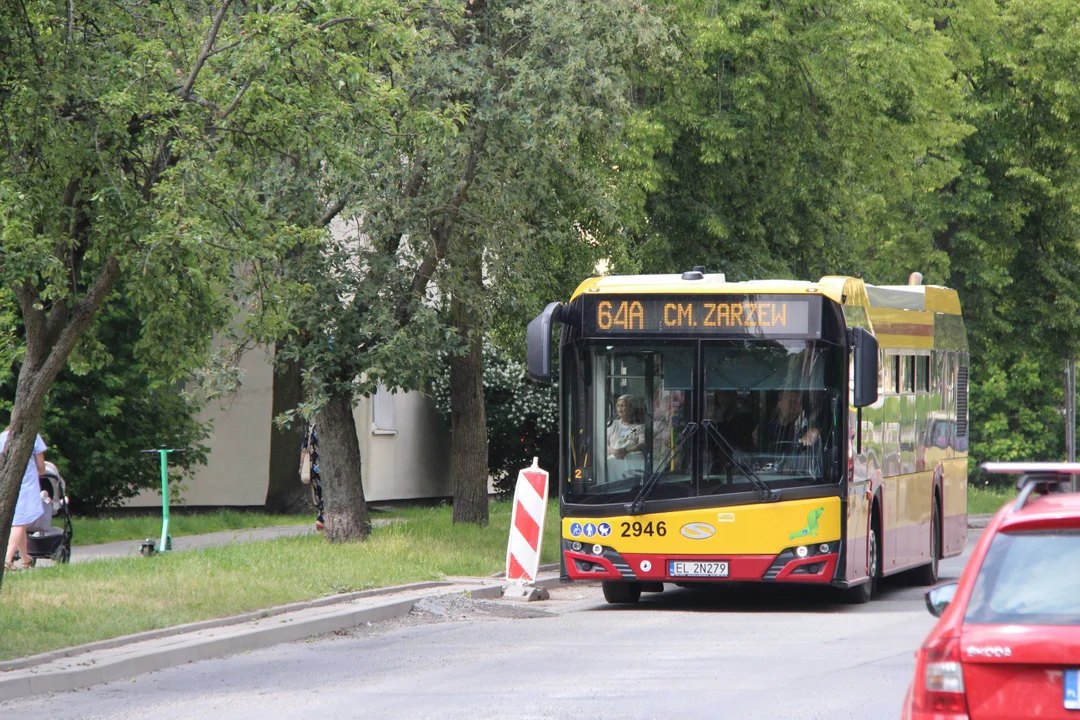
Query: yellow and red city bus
(768, 431)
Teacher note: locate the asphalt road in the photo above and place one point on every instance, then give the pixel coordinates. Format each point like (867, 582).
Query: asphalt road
(733, 653)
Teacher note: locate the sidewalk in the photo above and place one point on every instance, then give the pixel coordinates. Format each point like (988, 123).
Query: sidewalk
(130, 548)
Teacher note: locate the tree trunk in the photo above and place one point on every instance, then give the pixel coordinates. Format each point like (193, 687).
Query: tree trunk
(284, 491)
(468, 417)
(345, 509)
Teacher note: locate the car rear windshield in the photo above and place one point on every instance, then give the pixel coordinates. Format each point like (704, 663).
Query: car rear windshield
(1030, 578)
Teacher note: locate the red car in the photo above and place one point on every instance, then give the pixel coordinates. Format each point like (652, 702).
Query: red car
(1008, 642)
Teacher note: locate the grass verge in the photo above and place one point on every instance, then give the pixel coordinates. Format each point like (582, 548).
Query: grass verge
(987, 499)
(92, 531)
(56, 607)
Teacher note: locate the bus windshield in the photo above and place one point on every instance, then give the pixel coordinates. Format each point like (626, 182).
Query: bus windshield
(768, 412)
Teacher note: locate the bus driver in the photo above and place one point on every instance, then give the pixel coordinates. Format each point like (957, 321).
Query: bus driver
(790, 424)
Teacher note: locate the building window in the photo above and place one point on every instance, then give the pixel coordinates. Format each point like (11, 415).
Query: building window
(382, 412)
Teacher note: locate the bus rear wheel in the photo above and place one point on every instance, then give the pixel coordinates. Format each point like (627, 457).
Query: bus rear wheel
(928, 574)
(617, 593)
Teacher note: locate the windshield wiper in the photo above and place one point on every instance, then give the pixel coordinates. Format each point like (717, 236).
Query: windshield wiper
(765, 493)
(638, 506)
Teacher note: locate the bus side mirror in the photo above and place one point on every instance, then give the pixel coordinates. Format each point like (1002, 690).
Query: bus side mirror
(538, 341)
(866, 367)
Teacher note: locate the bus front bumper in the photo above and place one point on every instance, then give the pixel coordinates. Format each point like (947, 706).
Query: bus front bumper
(798, 564)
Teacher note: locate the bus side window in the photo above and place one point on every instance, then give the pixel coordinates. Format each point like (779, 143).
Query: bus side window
(922, 374)
(941, 434)
(890, 370)
(907, 374)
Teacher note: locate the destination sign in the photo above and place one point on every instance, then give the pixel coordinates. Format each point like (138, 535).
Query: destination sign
(722, 315)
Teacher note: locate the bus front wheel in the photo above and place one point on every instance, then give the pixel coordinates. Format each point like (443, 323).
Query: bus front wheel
(622, 592)
(865, 592)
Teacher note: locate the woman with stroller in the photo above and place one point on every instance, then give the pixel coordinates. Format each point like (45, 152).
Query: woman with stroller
(28, 508)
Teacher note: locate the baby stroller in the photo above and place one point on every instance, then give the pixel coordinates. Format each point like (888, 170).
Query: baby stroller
(45, 541)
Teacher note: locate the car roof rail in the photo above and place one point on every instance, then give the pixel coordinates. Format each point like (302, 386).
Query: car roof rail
(1043, 478)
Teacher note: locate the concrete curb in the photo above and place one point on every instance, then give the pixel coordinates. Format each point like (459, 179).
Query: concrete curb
(548, 582)
(210, 624)
(183, 650)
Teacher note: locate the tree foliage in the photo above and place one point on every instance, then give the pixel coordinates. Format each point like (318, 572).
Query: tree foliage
(1012, 232)
(98, 419)
(877, 138)
(498, 155)
(123, 127)
(801, 138)
(522, 416)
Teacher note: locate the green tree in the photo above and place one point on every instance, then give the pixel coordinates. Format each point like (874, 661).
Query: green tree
(1011, 228)
(120, 147)
(801, 139)
(94, 106)
(496, 157)
(335, 305)
(532, 173)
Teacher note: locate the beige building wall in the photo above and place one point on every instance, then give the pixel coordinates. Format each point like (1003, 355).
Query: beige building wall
(404, 456)
(409, 459)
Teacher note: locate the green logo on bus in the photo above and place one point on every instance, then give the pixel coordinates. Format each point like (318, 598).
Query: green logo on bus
(811, 524)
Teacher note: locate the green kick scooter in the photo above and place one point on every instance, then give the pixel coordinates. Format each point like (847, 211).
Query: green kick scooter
(148, 548)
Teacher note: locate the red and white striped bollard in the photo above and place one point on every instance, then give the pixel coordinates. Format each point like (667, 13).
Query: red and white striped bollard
(526, 533)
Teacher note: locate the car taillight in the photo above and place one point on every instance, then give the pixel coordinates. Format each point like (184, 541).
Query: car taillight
(940, 679)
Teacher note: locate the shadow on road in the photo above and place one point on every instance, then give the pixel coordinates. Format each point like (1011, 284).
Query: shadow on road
(758, 598)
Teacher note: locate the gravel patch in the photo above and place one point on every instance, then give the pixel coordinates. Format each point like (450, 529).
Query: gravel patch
(444, 609)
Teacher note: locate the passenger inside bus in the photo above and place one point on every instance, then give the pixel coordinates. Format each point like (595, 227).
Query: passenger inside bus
(625, 440)
(624, 435)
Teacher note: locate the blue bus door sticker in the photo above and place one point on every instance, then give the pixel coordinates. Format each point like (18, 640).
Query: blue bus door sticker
(575, 529)
(590, 530)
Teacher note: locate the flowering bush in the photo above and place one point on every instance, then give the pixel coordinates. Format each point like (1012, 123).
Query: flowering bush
(522, 417)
